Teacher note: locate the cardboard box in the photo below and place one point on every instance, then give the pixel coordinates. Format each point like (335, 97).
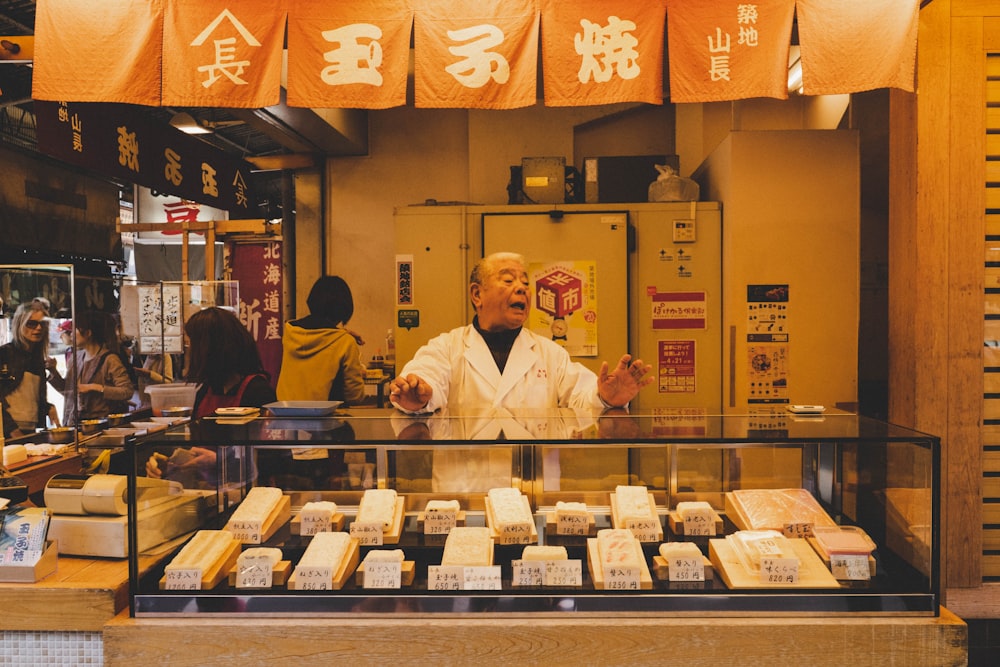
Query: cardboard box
(46, 565)
(622, 178)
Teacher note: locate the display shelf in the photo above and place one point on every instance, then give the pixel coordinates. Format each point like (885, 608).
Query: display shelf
(862, 472)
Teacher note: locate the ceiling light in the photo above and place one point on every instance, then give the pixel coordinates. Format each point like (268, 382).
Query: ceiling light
(186, 123)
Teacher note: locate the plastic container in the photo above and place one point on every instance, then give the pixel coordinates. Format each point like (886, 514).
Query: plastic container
(168, 396)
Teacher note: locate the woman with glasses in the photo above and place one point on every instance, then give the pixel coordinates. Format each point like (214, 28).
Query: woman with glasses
(22, 370)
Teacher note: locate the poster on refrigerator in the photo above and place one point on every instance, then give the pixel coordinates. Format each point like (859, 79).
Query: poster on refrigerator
(767, 344)
(564, 304)
(676, 367)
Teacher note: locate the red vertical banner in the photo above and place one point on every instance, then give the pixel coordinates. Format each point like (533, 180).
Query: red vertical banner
(105, 53)
(351, 54)
(853, 45)
(223, 53)
(480, 55)
(728, 50)
(601, 52)
(257, 268)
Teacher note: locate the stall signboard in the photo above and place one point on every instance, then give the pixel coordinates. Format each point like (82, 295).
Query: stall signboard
(121, 141)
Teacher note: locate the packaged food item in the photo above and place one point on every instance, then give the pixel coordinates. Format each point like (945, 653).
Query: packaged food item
(751, 546)
(848, 540)
(774, 509)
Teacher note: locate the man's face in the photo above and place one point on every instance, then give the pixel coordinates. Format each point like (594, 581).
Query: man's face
(502, 301)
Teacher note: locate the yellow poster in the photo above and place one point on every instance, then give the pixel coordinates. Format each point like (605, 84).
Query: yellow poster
(564, 304)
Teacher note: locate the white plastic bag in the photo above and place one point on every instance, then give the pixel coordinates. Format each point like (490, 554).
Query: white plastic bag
(668, 186)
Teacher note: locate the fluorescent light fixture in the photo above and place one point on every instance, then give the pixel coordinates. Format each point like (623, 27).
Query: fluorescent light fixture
(186, 123)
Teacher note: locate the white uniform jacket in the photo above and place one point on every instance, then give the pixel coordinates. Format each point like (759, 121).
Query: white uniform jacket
(465, 379)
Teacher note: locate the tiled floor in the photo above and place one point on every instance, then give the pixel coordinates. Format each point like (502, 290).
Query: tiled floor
(984, 642)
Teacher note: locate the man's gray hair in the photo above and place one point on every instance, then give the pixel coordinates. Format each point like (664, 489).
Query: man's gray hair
(485, 267)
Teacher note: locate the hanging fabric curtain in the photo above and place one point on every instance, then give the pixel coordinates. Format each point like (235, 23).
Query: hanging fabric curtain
(848, 46)
(475, 55)
(599, 52)
(222, 53)
(728, 51)
(350, 54)
(86, 54)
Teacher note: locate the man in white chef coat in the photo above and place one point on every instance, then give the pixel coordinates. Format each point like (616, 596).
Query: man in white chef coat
(497, 364)
(484, 371)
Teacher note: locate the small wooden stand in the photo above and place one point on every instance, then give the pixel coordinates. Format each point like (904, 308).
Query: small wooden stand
(812, 572)
(337, 522)
(219, 571)
(408, 573)
(499, 537)
(597, 571)
(619, 523)
(344, 570)
(279, 574)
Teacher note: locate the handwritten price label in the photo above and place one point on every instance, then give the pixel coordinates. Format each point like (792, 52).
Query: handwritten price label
(383, 574)
(439, 523)
(779, 570)
(368, 533)
(183, 580)
(685, 569)
(699, 522)
(254, 572)
(618, 578)
(314, 578)
(850, 567)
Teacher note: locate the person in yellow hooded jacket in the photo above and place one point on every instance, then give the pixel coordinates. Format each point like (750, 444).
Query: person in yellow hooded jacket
(321, 359)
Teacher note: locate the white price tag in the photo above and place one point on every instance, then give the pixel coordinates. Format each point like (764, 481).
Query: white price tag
(528, 572)
(383, 574)
(445, 577)
(439, 523)
(779, 570)
(313, 521)
(482, 578)
(254, 572)
(314, 578)
(645, 530)
(685, 569)
(564, 572)
(572, 525)
(699, 521)
(368, 533)
(850, 567)
(183, 580)
(617, 578)
(247, 532)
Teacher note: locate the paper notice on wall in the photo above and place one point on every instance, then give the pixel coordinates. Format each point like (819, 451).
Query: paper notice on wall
(767, 343)
(564, 304)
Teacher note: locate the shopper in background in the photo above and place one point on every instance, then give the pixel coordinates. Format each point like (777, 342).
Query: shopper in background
(23, 364)
(103, 384)
(223, 358)
(496, 362)
(321, 359)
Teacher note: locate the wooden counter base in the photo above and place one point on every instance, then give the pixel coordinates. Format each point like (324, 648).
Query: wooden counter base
(570, 640)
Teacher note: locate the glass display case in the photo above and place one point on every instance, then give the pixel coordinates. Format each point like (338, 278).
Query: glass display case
(764, 498)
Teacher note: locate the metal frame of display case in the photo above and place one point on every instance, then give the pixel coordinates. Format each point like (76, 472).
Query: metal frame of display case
(846, 461)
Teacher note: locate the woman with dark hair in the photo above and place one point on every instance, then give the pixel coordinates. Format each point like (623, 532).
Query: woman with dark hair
(22, 370)
(103, 385)
(321, 359)
(223, 358)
